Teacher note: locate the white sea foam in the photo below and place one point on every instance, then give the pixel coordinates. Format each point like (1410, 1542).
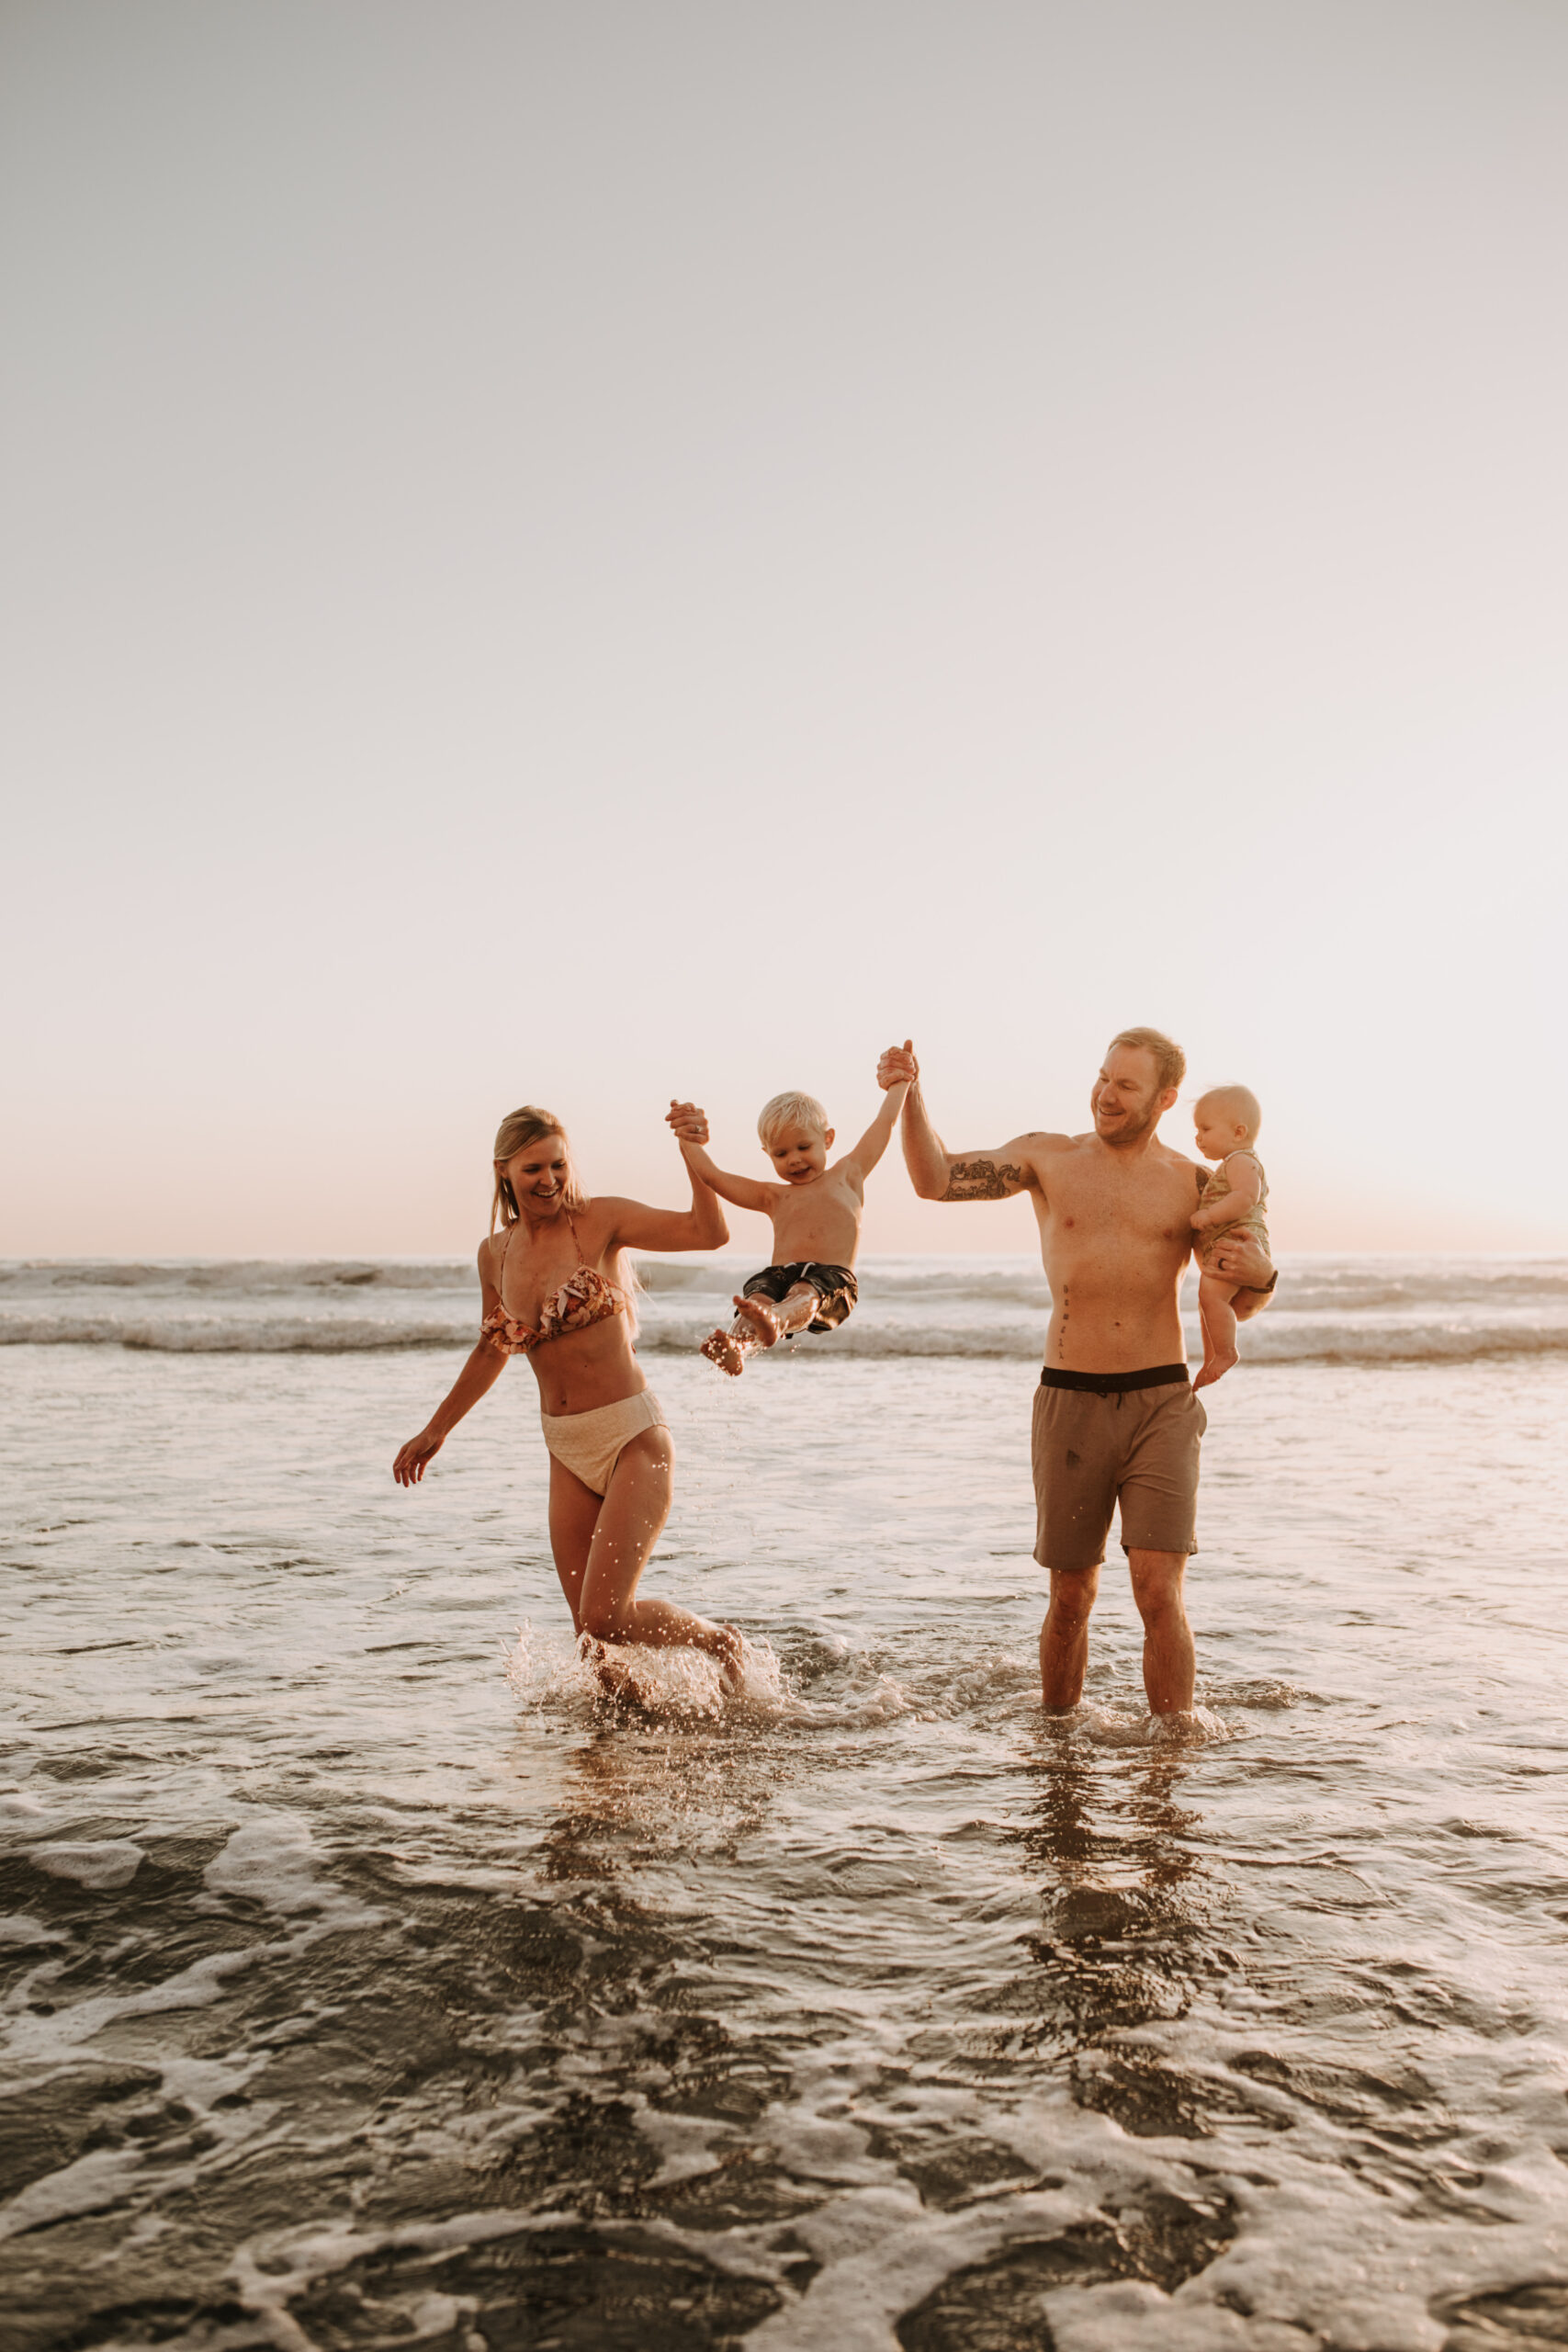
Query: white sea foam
(1132, 1728)
(112, 1863)
(17, 1927)
(1349, 1310)
(546, 1671)
(274, 1861)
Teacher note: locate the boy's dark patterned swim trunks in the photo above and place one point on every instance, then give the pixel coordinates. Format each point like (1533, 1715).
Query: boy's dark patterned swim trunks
(835, 1286)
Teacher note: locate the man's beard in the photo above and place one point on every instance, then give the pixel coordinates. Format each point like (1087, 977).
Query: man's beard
(1132, 1132)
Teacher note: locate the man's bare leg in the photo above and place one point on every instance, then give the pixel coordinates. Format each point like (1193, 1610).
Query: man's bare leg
(1214, 1297)
(760, 1323)
(1169, 1662)
(1064, 1638)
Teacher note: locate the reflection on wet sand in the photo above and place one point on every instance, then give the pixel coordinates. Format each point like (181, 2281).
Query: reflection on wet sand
(1130, 1910)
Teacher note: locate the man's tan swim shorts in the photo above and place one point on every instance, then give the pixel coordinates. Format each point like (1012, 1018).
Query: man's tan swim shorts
(1102, 1439)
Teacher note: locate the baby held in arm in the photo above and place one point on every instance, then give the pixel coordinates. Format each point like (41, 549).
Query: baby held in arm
(815, 1207)
(1230, 1200)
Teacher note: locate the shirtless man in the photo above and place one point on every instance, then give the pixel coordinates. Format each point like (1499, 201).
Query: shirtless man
(1114, 1418)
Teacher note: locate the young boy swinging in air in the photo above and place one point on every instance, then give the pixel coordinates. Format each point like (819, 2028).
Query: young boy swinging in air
(816, 1212)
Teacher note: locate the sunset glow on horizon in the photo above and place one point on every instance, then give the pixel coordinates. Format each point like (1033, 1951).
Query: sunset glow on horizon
(588, 556)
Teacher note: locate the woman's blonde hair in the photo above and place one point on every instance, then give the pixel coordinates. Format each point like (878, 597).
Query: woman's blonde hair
(515, 1133)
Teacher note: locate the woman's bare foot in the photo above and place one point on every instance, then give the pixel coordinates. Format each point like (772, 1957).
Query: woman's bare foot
(614, 1677)
(765, 1323)
(727, 1643)
(720, 1348)
(1215, 1366)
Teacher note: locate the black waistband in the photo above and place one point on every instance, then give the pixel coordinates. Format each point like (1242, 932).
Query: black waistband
(1114, 1384)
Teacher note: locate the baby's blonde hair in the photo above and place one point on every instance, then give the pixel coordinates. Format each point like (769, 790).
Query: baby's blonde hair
(1237, 1102)
(791, 1110)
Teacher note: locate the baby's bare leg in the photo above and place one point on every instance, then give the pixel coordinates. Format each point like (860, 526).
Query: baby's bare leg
(1214, 1297)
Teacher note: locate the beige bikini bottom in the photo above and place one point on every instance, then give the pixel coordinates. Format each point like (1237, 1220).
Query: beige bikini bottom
(589, 1444)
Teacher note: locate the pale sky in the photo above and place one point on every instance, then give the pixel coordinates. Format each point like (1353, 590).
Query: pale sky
(579, 553)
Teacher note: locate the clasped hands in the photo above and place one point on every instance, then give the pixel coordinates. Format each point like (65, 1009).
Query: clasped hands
(686, 1122)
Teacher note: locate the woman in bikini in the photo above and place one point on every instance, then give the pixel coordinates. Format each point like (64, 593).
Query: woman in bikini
(547, 1297)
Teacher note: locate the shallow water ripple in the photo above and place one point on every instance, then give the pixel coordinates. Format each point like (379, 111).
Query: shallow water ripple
(370, 1981)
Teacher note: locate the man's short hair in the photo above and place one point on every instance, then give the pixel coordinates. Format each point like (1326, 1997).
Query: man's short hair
(790, 1109)
(1170, 1062)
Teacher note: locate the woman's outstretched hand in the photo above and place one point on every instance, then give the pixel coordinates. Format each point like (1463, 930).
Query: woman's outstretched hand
(410, 1466)
(689, 1125)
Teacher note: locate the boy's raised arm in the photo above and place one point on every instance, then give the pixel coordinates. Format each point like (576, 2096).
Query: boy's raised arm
(741, 1192)
(879, 1135)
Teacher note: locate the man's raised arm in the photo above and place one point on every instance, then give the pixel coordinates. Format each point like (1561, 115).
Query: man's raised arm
(936, 1173)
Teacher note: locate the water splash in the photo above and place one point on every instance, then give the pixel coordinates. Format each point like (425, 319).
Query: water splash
(592, 1678)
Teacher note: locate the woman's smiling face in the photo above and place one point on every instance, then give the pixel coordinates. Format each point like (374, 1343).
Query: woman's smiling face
(540, 1175)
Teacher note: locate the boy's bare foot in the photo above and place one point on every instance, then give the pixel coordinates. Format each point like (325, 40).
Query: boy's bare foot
(761, 1316)
(719, 1347)
(1215, 1366)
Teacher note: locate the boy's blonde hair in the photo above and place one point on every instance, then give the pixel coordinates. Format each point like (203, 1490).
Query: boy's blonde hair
(1237, 1102)
(791, 1110)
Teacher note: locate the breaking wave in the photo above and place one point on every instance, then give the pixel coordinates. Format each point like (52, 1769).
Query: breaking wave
(1349, 1310)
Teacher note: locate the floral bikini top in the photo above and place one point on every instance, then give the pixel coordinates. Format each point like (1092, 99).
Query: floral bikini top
(583, 1298)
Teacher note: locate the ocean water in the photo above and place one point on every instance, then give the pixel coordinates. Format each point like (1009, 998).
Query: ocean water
(1333, 1310)
(370, 1981)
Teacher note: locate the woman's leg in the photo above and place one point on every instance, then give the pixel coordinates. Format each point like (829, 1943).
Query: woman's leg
(574, 1510)
(625, 1532)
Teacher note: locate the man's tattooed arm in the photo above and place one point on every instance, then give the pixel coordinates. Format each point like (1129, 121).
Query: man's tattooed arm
(984, 1180)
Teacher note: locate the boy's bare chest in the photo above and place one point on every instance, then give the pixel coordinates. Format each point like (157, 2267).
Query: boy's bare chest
(831, 1202)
